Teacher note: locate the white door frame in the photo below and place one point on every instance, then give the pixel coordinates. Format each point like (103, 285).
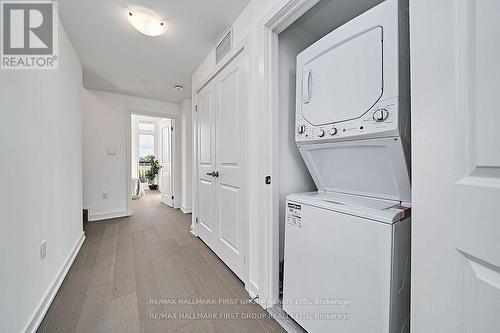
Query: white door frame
(275, 22)
(175, 153)
(241, 47)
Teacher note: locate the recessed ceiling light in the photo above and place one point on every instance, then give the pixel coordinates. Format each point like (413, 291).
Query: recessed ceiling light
(146, 22)
(178, 87)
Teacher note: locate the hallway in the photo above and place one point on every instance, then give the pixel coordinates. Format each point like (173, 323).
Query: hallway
(132, 274)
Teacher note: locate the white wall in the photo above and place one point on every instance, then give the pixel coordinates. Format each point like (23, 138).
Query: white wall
(41, 195)
(104, 123)
(186, 155)
(294, 176)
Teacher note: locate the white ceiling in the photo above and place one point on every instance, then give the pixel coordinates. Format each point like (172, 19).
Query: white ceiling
(117, 58)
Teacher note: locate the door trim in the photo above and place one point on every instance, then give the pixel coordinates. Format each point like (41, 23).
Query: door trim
(175, 153)
(275, 22)
(226, 60)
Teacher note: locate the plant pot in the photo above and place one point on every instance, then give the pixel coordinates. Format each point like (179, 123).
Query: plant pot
(153, 187)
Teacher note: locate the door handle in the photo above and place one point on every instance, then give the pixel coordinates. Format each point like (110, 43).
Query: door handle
(213, 174)
(306, 87)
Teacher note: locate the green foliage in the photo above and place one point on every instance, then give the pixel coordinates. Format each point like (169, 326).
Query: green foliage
(142, 177)
(154, 168)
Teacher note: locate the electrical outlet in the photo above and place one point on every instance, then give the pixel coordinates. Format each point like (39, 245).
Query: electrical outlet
(104, 196)
(43, 250)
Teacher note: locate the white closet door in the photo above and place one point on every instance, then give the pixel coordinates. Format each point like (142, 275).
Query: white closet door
(206, 164)
(455, 48)
(230, 150)
(221, 198)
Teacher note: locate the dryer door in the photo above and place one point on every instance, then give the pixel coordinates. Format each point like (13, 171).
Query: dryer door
(343, 82)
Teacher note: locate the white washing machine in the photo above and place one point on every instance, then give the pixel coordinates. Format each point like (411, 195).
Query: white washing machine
(347, 246)
(347, 263)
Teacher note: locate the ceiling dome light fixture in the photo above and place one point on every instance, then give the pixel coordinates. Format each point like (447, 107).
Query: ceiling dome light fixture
(146, 22)
(178, 87)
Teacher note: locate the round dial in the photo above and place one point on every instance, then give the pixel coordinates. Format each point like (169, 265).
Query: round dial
(301, 129)
(380, 115)
(333, 131)
(321, 133)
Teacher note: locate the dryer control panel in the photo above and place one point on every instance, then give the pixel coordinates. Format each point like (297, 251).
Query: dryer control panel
(381, 120)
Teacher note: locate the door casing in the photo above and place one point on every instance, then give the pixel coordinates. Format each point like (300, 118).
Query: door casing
(175, 153)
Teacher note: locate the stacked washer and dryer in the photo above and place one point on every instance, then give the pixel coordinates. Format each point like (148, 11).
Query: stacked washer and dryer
(347, 246)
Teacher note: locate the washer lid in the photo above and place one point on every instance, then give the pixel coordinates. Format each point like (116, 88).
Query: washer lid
(345, 81)
(386, 211)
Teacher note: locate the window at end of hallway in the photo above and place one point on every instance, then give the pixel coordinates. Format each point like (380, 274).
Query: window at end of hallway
(146, 145)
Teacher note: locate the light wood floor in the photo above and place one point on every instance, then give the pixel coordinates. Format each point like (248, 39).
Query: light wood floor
(130, 271)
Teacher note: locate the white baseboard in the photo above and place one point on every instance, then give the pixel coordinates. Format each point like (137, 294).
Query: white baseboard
(252, 290)
(288, 324)
(49, 297)
(191, 230)
(111, 215)
(186, 210)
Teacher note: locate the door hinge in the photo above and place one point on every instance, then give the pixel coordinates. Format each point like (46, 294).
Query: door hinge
(196, 220)
(268, 180)
(172, 197)
(172, 128)
(196, 108)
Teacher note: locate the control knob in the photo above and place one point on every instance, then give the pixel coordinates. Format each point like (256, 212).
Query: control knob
(301, 129)
(333, 131)
(321, 133)
(380, 115)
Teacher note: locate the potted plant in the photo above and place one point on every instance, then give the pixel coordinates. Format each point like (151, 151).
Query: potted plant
(154, 169)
